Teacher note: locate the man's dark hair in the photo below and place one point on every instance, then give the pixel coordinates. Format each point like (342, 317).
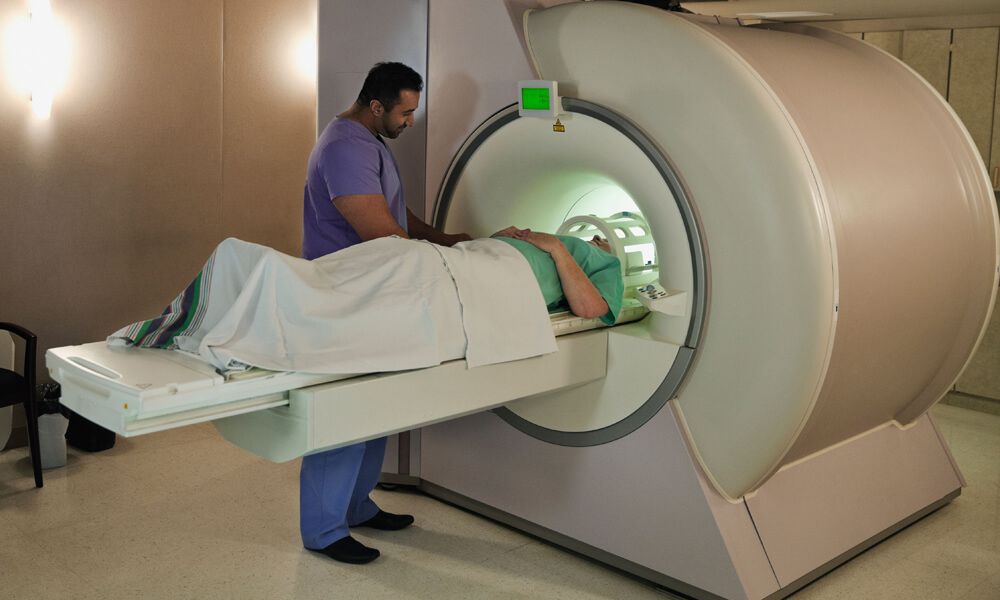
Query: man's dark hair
(386, 81)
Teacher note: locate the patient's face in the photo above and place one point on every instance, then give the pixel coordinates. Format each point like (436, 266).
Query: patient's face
(599, 242)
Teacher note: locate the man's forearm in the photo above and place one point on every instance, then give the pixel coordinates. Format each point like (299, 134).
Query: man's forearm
(369, 216)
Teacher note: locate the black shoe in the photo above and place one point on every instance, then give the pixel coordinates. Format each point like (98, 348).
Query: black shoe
(387, 521)
(350, 550)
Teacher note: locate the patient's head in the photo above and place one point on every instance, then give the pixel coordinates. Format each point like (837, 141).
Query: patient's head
(599, 242)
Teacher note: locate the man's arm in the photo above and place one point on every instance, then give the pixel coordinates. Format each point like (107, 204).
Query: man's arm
(369, 215)
(422, 231)
(583, 298)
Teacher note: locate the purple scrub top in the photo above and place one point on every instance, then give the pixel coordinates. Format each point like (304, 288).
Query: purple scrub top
(347, 160)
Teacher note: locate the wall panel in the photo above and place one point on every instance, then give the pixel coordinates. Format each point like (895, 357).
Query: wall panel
(928, 53)
(177, 134)
(994, 163)
(980, 376)
(890, 41)
(972, 87)
(269, 114)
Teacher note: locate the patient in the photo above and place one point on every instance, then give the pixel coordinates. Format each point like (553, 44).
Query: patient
(388, 304)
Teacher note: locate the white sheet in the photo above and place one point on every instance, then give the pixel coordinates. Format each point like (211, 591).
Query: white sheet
(385, 305)
(500, 300)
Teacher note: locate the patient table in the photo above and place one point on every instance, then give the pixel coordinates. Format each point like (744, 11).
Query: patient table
(284, 415)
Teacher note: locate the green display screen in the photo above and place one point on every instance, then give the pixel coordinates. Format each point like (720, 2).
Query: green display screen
(535, 98)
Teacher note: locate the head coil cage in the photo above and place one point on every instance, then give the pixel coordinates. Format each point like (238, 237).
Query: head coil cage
(630, 239)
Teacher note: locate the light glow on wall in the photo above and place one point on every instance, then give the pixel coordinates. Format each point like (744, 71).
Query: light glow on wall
(37, 51)
(307, 56)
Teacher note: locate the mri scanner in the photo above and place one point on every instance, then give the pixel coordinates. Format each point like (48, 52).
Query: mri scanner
(820, 237)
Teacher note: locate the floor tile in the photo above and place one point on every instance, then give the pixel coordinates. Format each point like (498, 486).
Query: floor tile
(987, 590)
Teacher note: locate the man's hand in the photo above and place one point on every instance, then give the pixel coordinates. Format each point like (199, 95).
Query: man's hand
(422, 231)
(457, 237)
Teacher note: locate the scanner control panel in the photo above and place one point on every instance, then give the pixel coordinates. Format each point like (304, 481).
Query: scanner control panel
(659, 299)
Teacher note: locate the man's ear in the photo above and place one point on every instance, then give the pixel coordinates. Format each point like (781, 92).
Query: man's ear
(376, 107)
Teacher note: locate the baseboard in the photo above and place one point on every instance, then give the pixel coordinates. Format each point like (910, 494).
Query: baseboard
(972, 402)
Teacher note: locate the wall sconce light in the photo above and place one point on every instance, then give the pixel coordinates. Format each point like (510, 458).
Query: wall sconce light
(36, 51)
(46, 55)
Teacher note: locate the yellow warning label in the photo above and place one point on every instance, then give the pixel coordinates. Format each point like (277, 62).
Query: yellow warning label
(559, 126)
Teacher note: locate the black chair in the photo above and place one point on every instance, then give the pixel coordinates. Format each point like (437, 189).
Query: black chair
(20, 389)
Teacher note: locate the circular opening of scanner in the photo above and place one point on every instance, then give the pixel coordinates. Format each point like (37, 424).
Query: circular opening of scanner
(600, 176)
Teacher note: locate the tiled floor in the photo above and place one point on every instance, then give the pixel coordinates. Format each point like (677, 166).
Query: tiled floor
(184, 514)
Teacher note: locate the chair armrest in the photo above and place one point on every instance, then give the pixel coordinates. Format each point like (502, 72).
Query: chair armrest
(21, 332)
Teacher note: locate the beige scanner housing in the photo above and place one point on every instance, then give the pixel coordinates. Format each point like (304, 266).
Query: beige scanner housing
(846, 225)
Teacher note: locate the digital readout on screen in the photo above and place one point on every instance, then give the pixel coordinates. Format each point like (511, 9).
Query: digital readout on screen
(535, 98)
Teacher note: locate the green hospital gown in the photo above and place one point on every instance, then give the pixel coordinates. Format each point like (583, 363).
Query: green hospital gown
(603, 270)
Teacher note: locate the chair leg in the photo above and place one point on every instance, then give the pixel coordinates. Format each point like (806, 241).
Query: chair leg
(31, 416)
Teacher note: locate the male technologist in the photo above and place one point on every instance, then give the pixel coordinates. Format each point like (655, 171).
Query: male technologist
(353, 194)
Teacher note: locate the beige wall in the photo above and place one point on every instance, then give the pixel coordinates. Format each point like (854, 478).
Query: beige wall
(182, 122)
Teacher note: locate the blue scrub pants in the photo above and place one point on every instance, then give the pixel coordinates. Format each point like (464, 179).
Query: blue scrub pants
(333, 491)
